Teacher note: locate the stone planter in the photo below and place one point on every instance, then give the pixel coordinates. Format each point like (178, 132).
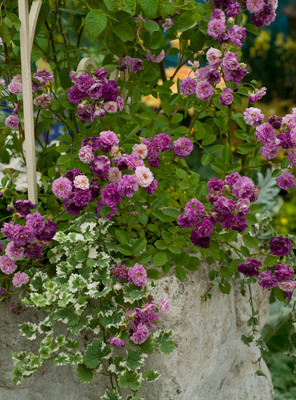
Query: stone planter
(210, 361)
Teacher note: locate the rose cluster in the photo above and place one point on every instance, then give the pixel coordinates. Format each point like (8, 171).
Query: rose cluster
(16, 87)
(25, 240)
(263, 13)
(94, 95)
(139, 321)
(280, 275)
(124, 179)
(272, 141)
(230, 201)
(226, 66)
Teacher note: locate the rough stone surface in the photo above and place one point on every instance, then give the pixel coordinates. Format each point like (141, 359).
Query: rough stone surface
(209, 363)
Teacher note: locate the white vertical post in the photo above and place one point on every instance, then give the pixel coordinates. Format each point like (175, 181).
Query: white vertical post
(26, 39)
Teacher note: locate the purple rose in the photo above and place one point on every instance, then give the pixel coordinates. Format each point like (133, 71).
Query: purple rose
(266, 280)
(286, 181)
(116, 342)
(34, 251)
(110, 195)
(187, 220)
(49, 231)
(135, 64)
(110, 91)
(23, 207)
(128, 185)
(35, 222)
(280, 246)
(249, 267)
(226, 98)
(205, 227)
(203, 242)
(120, 272)
(137, 275)
(283, 272)
(152, 187)
(75, 95)
(22, 236)
(183, 147)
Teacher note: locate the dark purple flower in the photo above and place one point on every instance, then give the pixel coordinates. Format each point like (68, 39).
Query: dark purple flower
(94, 142)
(152, 187)
(280, 246)
(85, 113)
(284, 140)
(243, 188)
(188, 219)
(44, 76)
(101, 73)
(127, 185)
(275, 121)
(74, 95)
(286, 181)
(82, 197)
(22, 236)
(96, 90)
(111, 214)
(120, 272)
(264, 17)
(110, 195)
(49, 232)
(205, 227)
(183, 147)
(233, 9)
(237, 34)
(203, 242)
(95, 190)
(228, 221)
(23, 207)
(33, 251)
(9, 230)
(266, 280)
(100, 166)
(35, 222)
(265, 133)
(164, 140)
(72, 173)
(269, 150)
(215, 185)
(231, 179)
(154, 161)
(154, 148)
(283, 272)
(110, 91)
(135, 64)
(71, 208)
(241, 224)
(3, 293)
(17, 309)
(224, 205)
(249, 267)
(84, 82)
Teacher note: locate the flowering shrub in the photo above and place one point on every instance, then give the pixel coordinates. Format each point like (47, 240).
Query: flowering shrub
(119, 204)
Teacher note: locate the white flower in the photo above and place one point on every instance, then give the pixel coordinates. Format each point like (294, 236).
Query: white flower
(21, 182)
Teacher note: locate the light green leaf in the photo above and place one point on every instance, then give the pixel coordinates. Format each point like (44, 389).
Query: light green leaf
(149, 7)
(84, 374)
(96, 22)
(250, 241)
(96, 350)
(160, 258)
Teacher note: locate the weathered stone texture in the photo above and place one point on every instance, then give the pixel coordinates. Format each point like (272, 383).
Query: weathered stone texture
(209, 363)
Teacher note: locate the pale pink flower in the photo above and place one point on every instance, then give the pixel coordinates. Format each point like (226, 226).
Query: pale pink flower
(287, 286)
(86, 154)
(111, 107)
(144, 176)
(141, 150)
(17, 78)
(115, 152)
(164, 306)
(15, 87)
(13, 252)
(114, 174)
(19, 279)
(81, 182)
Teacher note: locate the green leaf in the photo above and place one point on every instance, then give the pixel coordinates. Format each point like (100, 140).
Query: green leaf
(153, 273)
(150, 375)
(176, 118)
(149, 7)
(160, 258)
(167, 344)
(209, 139)
(250, 241)
(124, 31)
(246, 148)
(130, 379)
(225, 288)
(111, 395)
(241, 122)
(161, 245)
(125, 249)
(4, 33)
(279, 294)
(151, 26)
(12, 20)
(143, 219)
(96, 22)
(180, 273)
(139, 245)
(259, 372)
(206, 159)
(171, 212)
(116, 45)
(252, 28)
(197, 41)
(226, 153)
(81, 255)
(130, 6)
(134, 360)
(111, 4)
(96, 350)
(104, 211)
(182, 174)
(122, 236)
(84, 374)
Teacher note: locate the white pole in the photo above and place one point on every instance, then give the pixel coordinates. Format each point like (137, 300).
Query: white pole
(26, 39)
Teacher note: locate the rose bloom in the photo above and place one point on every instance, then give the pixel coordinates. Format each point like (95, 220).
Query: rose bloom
(144, 176)
(287, 286)
(19, 279)
(62, 187)
(86, 154)
(111, 107)
(114, 174)
(81, 182)
(140, 150)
